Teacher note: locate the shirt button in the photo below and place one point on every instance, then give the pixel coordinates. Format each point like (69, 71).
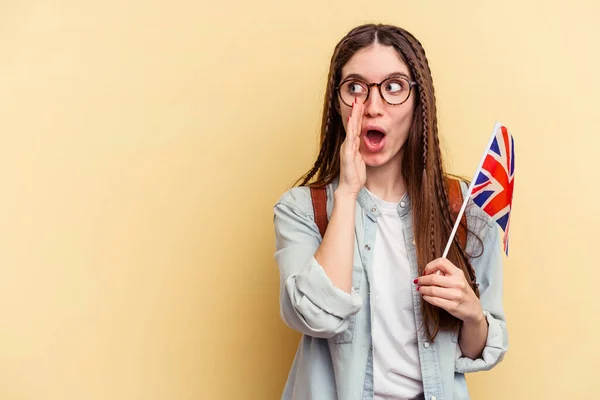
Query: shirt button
(402, 204)
(367, 247)
(373, 209)
(433, 398)
(426, 345)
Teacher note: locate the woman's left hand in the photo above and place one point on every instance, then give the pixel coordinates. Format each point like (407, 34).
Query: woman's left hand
(449, 290)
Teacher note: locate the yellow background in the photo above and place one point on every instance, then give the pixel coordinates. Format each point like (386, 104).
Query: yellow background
(144, 144)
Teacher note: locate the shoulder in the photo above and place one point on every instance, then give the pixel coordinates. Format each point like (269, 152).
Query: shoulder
(478, 221)
(298, 199)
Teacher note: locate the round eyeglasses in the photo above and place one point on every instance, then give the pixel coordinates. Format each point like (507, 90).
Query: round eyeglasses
(393, 91)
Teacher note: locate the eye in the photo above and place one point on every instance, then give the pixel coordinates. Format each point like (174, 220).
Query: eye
(396, 86)
(355, 87)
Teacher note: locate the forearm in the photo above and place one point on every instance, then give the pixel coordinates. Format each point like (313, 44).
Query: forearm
(473, 336)
(336, 253)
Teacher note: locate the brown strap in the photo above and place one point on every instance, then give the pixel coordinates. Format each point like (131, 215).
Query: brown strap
(456, 200)
(319, 200)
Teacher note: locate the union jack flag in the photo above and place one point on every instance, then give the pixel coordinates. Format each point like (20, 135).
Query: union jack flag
(493, 188)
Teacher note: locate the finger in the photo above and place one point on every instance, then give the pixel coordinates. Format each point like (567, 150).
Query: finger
(359, 118)
(446, 304)
(356, 143)
(434, 280)
(348, 129)
(347, 144)
(348, 140)
(455, 282)
(355, 114)
(441, 264)
(441, 292)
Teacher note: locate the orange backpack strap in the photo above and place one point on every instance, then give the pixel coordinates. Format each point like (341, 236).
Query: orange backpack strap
(319, 201)
(456, 199)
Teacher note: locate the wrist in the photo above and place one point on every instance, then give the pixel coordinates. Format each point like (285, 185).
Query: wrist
(342, 194)
(476, 319)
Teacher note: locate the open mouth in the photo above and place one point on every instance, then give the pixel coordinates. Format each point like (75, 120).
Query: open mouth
(374, 138)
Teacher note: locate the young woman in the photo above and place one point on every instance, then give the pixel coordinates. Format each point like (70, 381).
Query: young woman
(382, 315)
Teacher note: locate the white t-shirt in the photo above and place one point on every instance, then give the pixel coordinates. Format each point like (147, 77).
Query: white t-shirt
(396, 365)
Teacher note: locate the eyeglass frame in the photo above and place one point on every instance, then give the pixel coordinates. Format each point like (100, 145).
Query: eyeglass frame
(411, 84)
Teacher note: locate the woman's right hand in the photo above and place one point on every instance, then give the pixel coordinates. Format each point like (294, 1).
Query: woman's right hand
(353, 171)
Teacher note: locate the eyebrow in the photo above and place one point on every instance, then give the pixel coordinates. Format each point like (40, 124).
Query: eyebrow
(388, 76)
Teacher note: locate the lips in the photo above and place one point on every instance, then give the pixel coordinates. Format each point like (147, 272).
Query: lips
(373, 137)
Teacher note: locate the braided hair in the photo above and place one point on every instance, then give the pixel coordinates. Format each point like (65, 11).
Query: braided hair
(422, 164)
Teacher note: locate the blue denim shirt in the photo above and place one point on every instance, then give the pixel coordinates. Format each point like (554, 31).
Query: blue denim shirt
(334, 359)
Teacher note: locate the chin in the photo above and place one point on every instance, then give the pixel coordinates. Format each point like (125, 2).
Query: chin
(376, 160)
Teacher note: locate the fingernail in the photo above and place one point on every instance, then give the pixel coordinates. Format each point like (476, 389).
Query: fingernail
(348, 119)
(418, 287)
(415, 281)
(355, 100)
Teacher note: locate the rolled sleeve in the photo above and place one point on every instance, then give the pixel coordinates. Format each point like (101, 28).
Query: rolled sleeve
(496, 346)
(309, 302)
(488, 269)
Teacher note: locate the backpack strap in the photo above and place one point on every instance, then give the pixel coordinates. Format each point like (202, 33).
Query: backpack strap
(456, 199)
(319, 201)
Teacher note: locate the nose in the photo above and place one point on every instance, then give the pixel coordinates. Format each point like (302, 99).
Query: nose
(374, 104)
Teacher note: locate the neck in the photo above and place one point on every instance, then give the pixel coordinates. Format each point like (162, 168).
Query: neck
(386, 181)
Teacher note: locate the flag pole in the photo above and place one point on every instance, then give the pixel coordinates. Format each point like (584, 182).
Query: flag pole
(497, 126)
